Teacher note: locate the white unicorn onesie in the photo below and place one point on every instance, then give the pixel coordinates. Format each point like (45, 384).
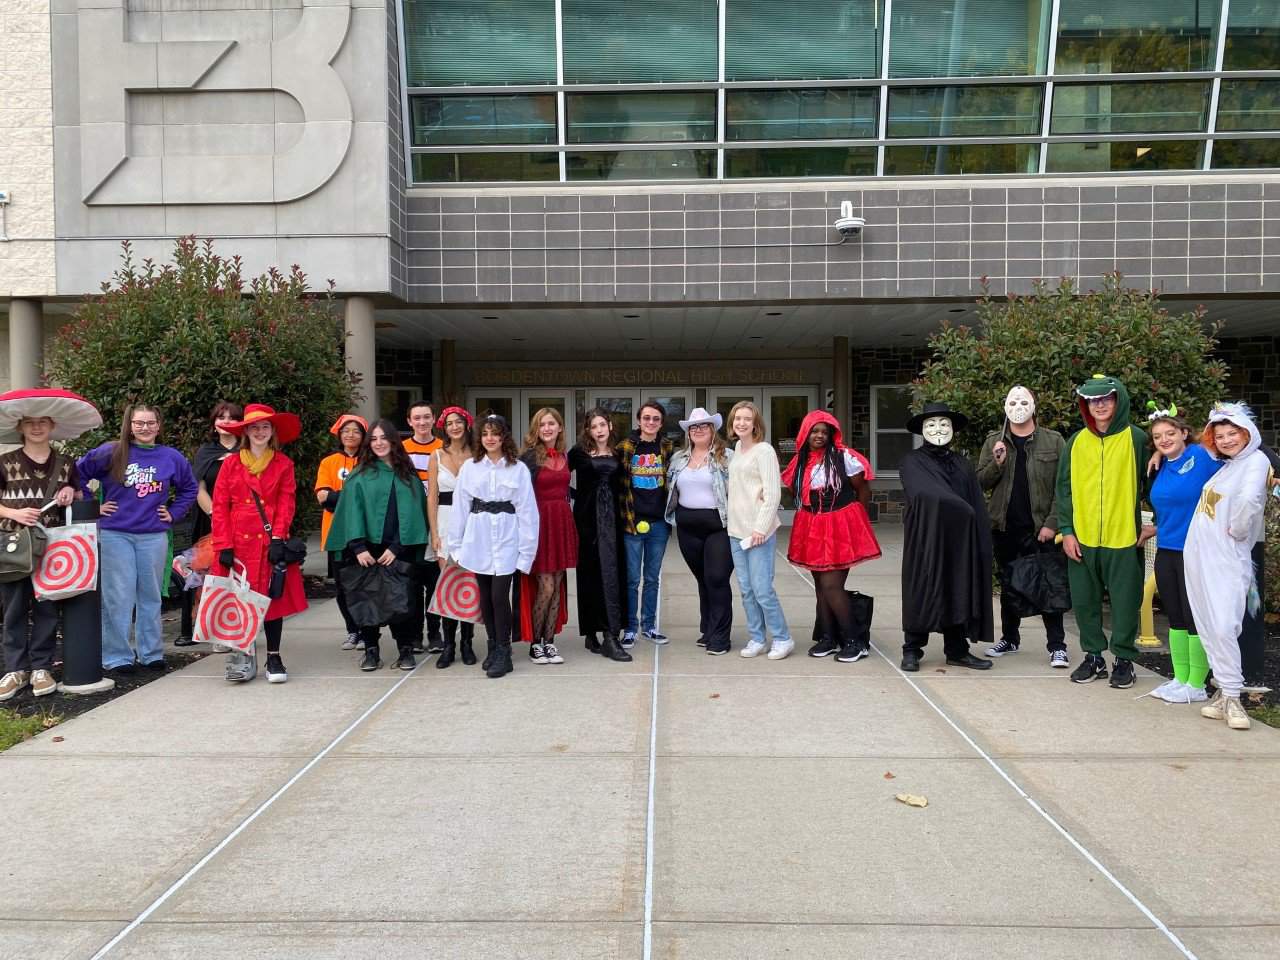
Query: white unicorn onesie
(1219, 568)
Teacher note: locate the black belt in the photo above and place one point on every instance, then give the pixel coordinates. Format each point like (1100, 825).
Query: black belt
(444, 498)
(492, 506)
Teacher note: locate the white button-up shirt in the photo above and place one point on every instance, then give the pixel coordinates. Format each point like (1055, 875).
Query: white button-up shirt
(493, 543)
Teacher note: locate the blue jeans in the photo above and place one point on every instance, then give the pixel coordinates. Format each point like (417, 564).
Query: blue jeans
(644, 552)
(131, 575)
(754, 568)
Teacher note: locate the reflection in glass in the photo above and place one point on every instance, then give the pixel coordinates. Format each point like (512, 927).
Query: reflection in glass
(968, 38)
(607, 41)
(1124, 155)
(786, 411)
(976, 111)
(1130, 107)
(677, 407)
(890, 449)
(484, 167)
(801, 162)
(640, 117)
(961, 158)
(813, 40)
(1135, 36)
(621, 412)
(440, 121)
(1245, 154)
(456, 42)
(483, 406)
(1253, 36)
(811, 113)
(642, 165)
(1249, 104)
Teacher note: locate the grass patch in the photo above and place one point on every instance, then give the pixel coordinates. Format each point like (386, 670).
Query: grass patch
(1268, 714)
(15, 728)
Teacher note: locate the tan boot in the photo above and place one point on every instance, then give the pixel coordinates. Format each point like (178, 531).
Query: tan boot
(42, 683)
(1214, 709)
(11, 683)
(1237, 718)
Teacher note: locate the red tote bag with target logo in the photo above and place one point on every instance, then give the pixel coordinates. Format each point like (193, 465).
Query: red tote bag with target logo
(69, 566)
(231, 612)
(457, 595)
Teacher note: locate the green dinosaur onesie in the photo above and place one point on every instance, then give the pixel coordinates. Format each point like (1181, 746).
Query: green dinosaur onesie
(1099, 484)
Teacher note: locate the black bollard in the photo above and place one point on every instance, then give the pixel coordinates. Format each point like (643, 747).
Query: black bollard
(82, 627)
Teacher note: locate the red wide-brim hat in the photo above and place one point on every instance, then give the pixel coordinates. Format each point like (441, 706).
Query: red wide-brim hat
(288, 426)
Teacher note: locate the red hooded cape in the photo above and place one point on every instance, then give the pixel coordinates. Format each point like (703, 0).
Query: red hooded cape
(810, 457)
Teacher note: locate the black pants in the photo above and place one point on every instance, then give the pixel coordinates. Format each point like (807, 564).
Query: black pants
(1172, 584)
(425, 577)
(1008, 546)
(30, 626)
(495, 607)
(188, 614)
(402, 632)
(274, 631)
(1253, 632)
(704, 544)
(955, 643)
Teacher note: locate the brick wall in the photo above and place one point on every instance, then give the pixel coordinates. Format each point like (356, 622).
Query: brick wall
(1254, 377)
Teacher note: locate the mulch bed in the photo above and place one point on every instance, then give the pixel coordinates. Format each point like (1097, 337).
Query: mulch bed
(1158, 662)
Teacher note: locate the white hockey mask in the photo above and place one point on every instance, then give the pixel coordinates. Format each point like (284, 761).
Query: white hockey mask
(937, 431)
(1019, 405)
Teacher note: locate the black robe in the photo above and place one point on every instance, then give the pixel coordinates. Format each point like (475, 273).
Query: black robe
(946, 548)
(602, 559)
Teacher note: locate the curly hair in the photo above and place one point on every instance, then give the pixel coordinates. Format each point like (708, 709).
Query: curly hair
(494, 421)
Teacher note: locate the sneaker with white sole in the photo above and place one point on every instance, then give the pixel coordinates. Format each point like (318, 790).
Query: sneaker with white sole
(11, 683)
(42, 683)
(551, 654)
(1190, 694)
(1214, 709)
(781, 649)
(753, 649)
(536, 653)
(1058, 658)
(653, 636)
(852, 653)
(1168, 691)
(1237, 718)
(628, 639)
(1001, 648)
(824, 648)
(351, 641)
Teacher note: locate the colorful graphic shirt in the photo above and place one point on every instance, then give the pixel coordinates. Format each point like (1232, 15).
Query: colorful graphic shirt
(152, 475)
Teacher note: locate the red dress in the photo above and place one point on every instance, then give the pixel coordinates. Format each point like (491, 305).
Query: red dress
(237, 525)
(557, 533)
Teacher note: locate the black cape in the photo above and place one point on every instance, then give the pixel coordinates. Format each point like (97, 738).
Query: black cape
(946, 549)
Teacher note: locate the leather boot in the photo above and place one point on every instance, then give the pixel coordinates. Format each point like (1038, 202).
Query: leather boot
(468, 654)
(501, 663)
(592, 644)
(611, 649)
(490, 650)
(446, 654)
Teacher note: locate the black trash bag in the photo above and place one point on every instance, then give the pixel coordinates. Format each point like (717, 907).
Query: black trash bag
(377, 595)
(863, 607)
(1037, 583)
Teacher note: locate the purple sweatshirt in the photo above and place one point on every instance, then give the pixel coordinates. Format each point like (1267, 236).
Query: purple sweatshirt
(148, 479)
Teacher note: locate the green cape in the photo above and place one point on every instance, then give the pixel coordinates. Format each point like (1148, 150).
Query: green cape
(362, 509)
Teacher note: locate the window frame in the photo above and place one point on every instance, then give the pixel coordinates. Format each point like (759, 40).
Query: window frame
(875, 431)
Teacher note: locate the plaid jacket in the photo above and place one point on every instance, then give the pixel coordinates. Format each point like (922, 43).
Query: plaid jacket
(626, 450)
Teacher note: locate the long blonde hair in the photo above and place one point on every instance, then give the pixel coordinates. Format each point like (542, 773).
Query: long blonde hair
(534, 442)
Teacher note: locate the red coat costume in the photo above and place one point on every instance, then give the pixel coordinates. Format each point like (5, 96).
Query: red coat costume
(238, 526)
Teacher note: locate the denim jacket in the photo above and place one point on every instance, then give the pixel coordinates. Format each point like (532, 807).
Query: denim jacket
(719, 484)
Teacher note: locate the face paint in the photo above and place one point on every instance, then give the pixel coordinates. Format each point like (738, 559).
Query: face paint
(1019, 406)
(937, 431)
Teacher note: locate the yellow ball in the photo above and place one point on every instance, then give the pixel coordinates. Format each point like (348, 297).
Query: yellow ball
(642, 526)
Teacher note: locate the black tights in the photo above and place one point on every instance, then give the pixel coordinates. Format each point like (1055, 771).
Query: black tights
(273, 629)
(495, 607)
(835, 612)
(546, 605)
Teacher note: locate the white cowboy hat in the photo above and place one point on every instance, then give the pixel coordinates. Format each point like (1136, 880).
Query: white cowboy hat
(72, 414)
(700, 415)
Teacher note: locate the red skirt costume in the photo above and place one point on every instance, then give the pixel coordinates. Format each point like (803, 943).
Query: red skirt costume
(831, 530)
(237, 525)
(557, 533)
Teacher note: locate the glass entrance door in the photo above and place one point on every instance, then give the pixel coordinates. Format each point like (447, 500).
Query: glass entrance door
(784, 409)
(518, 406)
(624, 406)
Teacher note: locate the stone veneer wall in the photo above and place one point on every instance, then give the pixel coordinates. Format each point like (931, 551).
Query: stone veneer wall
(26, 157)
(404, 368)
(1254, 377)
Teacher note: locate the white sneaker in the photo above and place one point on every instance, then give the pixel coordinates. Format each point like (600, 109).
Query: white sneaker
(1237, 718)
(1190, 694)
(551, 654)
(781, 649)
(753, 649)
(1170, 691)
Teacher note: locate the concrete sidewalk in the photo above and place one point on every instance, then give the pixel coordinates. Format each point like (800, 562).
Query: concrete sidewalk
(681, 806)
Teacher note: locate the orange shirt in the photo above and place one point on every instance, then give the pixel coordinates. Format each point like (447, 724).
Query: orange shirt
(420, 454)
(333, 472)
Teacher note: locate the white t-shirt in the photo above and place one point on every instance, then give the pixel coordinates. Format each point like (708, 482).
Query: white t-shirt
(694, 490)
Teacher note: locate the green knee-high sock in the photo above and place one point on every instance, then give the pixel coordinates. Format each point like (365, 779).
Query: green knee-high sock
(1198, 667)
(1178, 652)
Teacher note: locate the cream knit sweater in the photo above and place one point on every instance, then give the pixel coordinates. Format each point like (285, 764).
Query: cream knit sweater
(755, 489)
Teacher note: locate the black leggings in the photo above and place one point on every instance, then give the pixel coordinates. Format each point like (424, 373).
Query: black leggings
(704, 544)
(273, 629)
(1171, 582)
(835, 612)
(495, 606)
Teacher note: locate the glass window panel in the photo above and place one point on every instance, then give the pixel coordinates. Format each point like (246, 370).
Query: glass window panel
(453, 121)
(1130, 107)
(977, 111)
(677, 408)
(1245, 154)
(1249, 105)
(642, 165)
(623, 41)
(1124, 155)
(452, 42)
(806, 114)
(813, 40)
(640, 117)
(1135, 36)
(893, 407)
(481, 167)
(968, 38)
(1253, 36)
(890, 448)
(961, 158)
(483, 406)
(801, 162)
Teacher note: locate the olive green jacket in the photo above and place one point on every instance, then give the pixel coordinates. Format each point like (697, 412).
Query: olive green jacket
(1044, 449)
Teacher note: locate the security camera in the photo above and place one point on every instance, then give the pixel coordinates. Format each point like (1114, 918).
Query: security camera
(4, 197)
(847, 225)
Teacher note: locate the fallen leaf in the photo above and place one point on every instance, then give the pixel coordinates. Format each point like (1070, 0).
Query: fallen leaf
(912, 799)
(715, 696)
(939, 670)
(889, 776)
(57, 739)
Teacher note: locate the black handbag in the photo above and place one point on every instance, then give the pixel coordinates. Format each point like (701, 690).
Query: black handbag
(863, 607)
(295, 548)
(1037, 583)
(377, 595)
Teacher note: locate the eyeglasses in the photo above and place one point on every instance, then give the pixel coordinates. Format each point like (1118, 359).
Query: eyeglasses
(653, 419)
(699, 426)
(144, 424)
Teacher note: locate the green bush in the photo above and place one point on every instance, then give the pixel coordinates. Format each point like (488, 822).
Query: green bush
(185, 335)
(1054, 338)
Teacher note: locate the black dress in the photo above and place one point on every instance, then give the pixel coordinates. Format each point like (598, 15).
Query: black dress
(601, 558)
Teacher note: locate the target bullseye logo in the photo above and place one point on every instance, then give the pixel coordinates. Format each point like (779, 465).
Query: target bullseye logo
(70, 566)
(225, 619)
(457, 596)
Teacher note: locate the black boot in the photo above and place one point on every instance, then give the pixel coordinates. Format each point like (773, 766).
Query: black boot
(446, 654)
(612, 650)
(468, 654)
(593, 645)
(490, 649)
(500, 666)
